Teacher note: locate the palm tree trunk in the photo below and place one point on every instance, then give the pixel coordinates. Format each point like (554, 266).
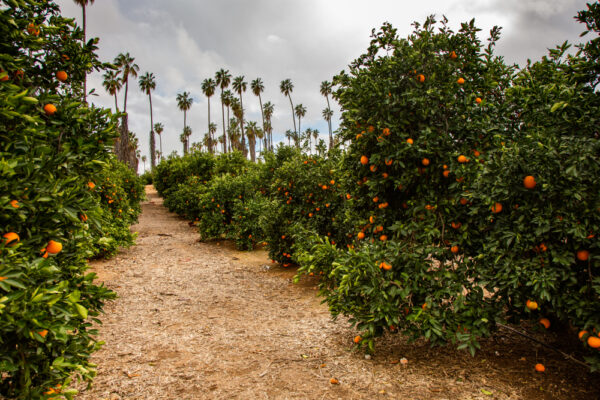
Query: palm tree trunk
(297, 143)
(152, 140)
(244, 151)
(293, 117)
(116, 104)
(224, 133)
(184, 138)
(160, 140)
(210, 139)
(329, 124)
(261, 112)
(126, 89)
(84, 42)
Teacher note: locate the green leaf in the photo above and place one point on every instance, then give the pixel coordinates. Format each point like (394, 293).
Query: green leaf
(81, 310)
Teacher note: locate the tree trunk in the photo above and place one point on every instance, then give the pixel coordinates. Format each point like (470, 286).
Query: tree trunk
(262, 112)
(293, 115)
(210, 138)
(152, 139)
(329, 124)
(160, 140)
(116, 104)
(224, 133)
(84, 42)
(244, 151)
(228, 128)
(298, 134)
(252, 145)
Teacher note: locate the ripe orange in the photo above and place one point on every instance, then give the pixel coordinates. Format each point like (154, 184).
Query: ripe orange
(43, 333)
(383, 238)
(332, 182)
(11, 237)
(476, 153)
(460, 81)
(372, 219)
(594, 342)
(371, 128)
(545, 322)
(583, 255)
(421, 78)
(446, 173)
(456, 225)
(373, 168)
(454, 249)
(582, 334)
(463, 201)
(540, 367)
(386, 266)
(379, 228)
(334, 381)
(532, 305)
(386, 131)
(62, 76)
(50, 109)
(361, 235)
(357, 339)
(529, 182)
(409, 141)
(14, 203)
(364, 160)
(91, 185)
(54, 247)
(348, 196)
(425, 161)
(478, 100)
(389, 162)
(496, 208)
(453, 55)
(385, 175)
(462, 159)
(375, 199)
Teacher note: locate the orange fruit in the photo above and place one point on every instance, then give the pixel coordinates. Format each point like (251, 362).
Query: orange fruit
(460, 81)
(386, 266)
(334, 381)
(373, 168)
(386, 131)
(456, 225)
(43, 333)
(421, 78)
(357, 339)
(379, 229)
(409, 141)
(476, 153)
(310, 215)
(348, 196)
(385, 175)
(375, 199)
(454, 249)
(11, 237)
(383, 238)
(529, 182)
(62, 76)
(371, 128)
(389, 162)
(478, 100)
(540, 367)
(583, 255)
(446, 173)
(453, 55)
(463, 201)
(462, 159)
(49, 109)
(54, 247)
(496, 208)
(364, 160)
(14, 203)
(91, 185)
(594, 342)
(361, 235)
(582, 334)
(545, 322)
(332, 182)
(425, 161)
(532, 305)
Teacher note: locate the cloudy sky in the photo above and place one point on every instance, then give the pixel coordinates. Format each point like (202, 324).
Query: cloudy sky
(184, 42)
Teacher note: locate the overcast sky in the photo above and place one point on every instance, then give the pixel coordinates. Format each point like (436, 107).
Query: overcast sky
(184, 42)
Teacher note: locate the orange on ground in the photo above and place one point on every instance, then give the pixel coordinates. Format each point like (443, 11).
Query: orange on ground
(594, 342)
(545, 322)
(540, 367)
(462, 159)
(62, 76)
(364, 160)
(425, 161)
(583, 255)
(49, 109)
(529, 182)
(334, 381)
(54, 247)
(11, 237)
(496, 208)
(532, 305)
(357, 339)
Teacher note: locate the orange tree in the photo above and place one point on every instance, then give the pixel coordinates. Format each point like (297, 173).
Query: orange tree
(539, 256)
(411, 108)
(53, 149)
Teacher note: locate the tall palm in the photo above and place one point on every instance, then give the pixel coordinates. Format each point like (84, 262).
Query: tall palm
(212, 129)
(286, 87)
(83, 4)
(147, 85)
(226, 97)
(308, 138)
(326, 88)
(258, 87)
(239, 85)
(187, 132)
(158, 128)
(268, 110)
(327, 114)
(128, 68)
(300, 113)
(315, 133)
(144, 158)
(251, 129)
(208, 88)
(288, 134)
(112, 84)
(184, 102)
(223, 79)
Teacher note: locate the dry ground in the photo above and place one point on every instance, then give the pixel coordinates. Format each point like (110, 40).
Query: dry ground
(204, 321)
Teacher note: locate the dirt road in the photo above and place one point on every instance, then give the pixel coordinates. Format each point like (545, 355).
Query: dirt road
(204, 321)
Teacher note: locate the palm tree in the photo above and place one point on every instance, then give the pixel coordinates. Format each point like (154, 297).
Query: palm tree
(187, 132)
(112, 84)
(148, 84)
(239, 85)
(258, 87)
(288, 134)
(300, 112)
(128, 68)
(83, 4)
(286, 88)
(251, 129)
(327, 114)
(184, 102)
(315, 133)
(326, 88)
(268, 110)
(260, 134)
(234, 134)
(226, 98)
(212, 129)
(208, 88)
(144, 158)
(223, 78)
(158, 128)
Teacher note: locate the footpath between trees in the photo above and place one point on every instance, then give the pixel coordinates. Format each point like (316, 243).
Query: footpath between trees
(201, 320)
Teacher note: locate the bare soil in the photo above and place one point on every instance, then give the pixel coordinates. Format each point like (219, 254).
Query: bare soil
(203, 321)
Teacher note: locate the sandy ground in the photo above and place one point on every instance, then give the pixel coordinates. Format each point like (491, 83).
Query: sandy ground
(203, 321)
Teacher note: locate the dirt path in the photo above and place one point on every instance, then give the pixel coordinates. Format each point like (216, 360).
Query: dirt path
(203, 321)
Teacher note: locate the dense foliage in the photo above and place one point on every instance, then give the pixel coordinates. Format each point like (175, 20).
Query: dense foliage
(56, 174)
